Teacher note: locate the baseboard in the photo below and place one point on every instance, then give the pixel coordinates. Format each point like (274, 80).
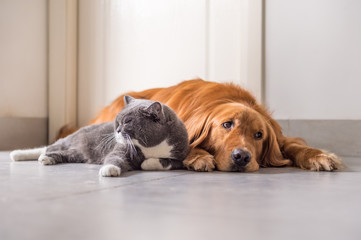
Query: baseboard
(18, 133)
(342, 137)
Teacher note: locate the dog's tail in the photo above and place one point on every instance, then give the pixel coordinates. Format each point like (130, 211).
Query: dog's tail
(27, 154)
(65, 131)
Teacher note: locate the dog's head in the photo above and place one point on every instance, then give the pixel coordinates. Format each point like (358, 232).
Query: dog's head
(239, 137)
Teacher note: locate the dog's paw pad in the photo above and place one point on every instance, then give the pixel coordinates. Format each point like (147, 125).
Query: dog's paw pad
(110, 171)
(201, 164)
(325, 162)
(46, 160)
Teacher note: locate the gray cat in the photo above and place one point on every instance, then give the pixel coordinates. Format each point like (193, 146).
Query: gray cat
(145, 135)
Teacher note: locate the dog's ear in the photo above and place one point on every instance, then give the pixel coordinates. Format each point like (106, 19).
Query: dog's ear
(198, 129)
(271, 152)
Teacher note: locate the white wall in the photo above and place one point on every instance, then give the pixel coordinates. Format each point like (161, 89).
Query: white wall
(132, 45)
(139, 44)
(23, 58)
(313, 59)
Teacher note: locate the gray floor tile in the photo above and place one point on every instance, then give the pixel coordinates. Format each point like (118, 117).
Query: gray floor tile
(70, 201)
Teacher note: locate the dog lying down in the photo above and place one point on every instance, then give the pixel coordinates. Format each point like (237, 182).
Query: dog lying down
(228, 130)
(145, 135)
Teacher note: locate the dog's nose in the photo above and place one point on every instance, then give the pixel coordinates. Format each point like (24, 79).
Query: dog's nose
(241, 157)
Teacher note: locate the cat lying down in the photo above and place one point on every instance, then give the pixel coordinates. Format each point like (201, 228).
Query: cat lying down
(145, 135)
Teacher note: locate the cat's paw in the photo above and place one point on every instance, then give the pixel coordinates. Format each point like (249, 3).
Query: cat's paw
(110, 171)
(46, 160)
(199, 160)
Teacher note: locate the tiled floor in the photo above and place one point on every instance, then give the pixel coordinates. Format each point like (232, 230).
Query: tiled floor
(71, 202)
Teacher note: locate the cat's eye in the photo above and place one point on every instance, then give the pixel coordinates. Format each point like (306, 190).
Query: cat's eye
(258, 135)
(127, 120)
(227, 125)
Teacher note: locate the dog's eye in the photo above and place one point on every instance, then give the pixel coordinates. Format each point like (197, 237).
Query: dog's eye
(227, 125)
(258, 135)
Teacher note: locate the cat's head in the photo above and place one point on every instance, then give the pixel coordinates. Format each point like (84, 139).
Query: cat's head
(141, 120)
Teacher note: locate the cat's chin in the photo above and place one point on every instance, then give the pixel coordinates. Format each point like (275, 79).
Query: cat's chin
(120, 138)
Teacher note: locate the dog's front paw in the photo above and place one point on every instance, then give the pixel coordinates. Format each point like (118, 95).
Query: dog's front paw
(199, 160)
(46, 160)
(324, 161)
(110, 171)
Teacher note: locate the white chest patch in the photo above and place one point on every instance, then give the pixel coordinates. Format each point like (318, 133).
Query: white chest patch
(153, 164)
(162, 150)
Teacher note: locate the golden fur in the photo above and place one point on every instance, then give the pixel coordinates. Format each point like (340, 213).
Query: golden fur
(206, 106)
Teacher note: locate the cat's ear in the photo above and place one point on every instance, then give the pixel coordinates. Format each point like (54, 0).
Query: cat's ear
(128, 99)
(155, 110)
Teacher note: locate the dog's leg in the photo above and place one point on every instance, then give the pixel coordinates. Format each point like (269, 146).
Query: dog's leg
(199, 160)
(309, 158)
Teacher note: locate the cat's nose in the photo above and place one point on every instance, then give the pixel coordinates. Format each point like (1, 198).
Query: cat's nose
(119, 129)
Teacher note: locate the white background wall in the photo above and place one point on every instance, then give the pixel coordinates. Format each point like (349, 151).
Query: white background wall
(23, 58)
(123, 45)
(135, 45)
(313, 52)
(313, 59)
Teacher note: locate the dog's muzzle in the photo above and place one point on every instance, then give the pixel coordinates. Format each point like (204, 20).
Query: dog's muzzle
(241, 157)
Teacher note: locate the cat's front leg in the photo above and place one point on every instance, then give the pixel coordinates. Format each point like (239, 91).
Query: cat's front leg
(113, 166)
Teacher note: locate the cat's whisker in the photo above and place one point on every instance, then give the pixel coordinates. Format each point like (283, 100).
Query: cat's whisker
(145, 137)
(132, 150)
(128, 145)
(100, 145)
(106, 142)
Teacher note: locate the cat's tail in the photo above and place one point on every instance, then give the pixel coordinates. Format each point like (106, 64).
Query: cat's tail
(27, 154)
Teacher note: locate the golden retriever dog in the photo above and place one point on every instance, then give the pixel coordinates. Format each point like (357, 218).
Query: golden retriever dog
(228, 130)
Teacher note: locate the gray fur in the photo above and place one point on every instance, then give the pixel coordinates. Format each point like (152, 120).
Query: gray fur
(148, 122)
